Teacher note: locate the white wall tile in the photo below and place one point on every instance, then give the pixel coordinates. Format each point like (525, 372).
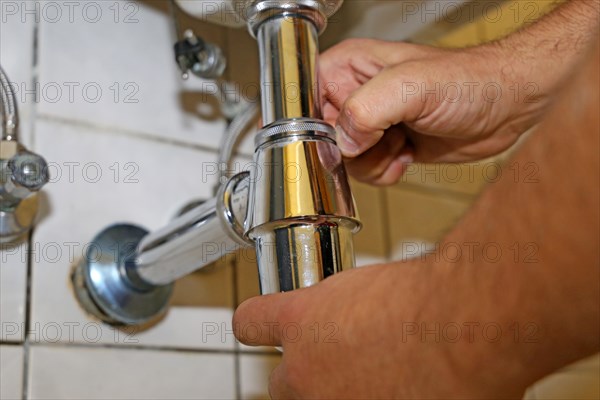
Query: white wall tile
(101, 373)
(11, 372)
(13, 286)
(135, 53)
(254, 375)
(76, 209)
(16, 57)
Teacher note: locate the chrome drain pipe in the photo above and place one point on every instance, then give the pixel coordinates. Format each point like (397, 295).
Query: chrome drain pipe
(295, 206)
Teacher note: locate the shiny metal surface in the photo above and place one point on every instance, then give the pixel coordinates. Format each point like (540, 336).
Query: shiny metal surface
(105, 286)
(22, 173)
(305, 127)
(127, 274)
(295, 206)
(289, 77)
(256, 12)
(238, 13)
(303, 254)
(15, 224)
(197, 238)
(300, 177)
(303, 214)
(29, 170)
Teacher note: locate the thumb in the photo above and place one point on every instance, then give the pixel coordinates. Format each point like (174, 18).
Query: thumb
(257, 321)
(372, 109)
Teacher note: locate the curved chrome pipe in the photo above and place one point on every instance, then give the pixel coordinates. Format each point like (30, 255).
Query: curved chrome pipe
(197, 238)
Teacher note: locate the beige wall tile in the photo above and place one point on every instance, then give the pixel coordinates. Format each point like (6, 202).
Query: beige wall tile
(420, 218)
(579, 381)
(254, 375)
(466, 35)
(507, 18)
(371, 243)
(468, 179)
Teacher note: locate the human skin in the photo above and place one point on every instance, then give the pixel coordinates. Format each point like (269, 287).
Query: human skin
(394, 103)
(545, 303)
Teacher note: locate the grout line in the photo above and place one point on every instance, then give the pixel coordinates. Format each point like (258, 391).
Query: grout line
(116, 131)
(7, 343)
(28, 287)
(161, 349)
(236, 346)
(34, 81)
(26, 343)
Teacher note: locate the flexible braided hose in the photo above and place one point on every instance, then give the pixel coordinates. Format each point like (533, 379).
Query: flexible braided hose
(8, 108)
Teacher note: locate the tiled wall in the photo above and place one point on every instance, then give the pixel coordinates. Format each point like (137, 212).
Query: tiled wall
(128, 141)
(137, 152)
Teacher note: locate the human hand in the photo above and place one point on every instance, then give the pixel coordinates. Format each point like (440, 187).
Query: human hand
(395, 103)
(347, 338)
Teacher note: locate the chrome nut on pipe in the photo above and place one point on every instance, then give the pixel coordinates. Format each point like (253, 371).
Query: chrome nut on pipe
(237, 13)
(255, 12)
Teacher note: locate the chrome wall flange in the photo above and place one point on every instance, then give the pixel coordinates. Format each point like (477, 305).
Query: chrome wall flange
(107, 285)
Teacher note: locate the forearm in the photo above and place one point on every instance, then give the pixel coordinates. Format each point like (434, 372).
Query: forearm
(529, 252)
(545, 52)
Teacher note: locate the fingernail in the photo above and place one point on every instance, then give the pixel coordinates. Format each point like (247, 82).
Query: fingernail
(348, 146)
(406, 158)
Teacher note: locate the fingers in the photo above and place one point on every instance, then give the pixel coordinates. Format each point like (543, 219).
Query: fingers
(385, 163)
(372, 109)
(330, 113)
(256, 322)
(278, 387)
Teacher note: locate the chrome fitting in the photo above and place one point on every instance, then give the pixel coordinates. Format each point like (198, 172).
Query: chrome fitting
(257, 12)
(302, 213)
(22, 173)
(106, 283)
(205, 60)
(295, 206)
(127, 275)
